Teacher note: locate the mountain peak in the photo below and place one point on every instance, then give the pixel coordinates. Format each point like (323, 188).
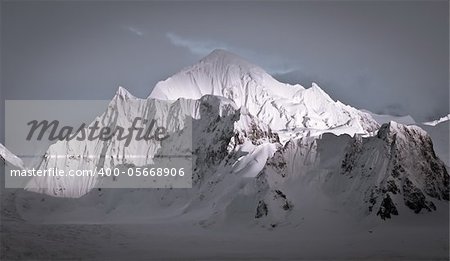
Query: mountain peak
(388, 130)
(315, 94)
(316, 89)
(222, 73)
(220, 53)
(225, 59)
(122, 92)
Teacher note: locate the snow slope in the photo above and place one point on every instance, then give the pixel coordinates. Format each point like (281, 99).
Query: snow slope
(9, 157)
(436, 122)
(394, 173)
(440, 134)
(122, 111)
(384, 118)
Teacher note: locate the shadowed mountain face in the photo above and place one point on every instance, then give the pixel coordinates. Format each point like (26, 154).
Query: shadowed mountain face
(396, 169)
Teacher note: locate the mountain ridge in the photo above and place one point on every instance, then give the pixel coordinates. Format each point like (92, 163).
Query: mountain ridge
(265, 149)
(224, 74)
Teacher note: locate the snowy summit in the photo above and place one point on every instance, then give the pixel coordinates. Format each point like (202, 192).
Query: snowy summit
(268, 150)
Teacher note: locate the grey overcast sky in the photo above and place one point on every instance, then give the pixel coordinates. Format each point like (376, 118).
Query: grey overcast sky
(384, 56)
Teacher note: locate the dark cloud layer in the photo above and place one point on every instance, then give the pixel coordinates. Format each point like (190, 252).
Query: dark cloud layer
(384, 56)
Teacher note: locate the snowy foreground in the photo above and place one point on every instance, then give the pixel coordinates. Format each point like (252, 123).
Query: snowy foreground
(394, 241)
(320, 235)
(279, 172)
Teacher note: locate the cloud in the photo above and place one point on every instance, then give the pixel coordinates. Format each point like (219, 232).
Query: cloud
(272, 63)
(135, 31)
(196, 47)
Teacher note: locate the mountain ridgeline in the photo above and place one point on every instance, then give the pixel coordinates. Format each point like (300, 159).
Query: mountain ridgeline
(263, 151)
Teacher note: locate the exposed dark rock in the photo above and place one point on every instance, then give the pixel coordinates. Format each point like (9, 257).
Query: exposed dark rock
(415, 199)
(387, 208)
(391, 187)
(286, 204)
(261, 209)
(279, 193)
(351, 156)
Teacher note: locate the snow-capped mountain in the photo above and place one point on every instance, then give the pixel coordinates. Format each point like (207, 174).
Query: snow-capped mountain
(222, 74)
(89, 154)
(279, 105)
(379, 174)
(262, 152)
(436, 122)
